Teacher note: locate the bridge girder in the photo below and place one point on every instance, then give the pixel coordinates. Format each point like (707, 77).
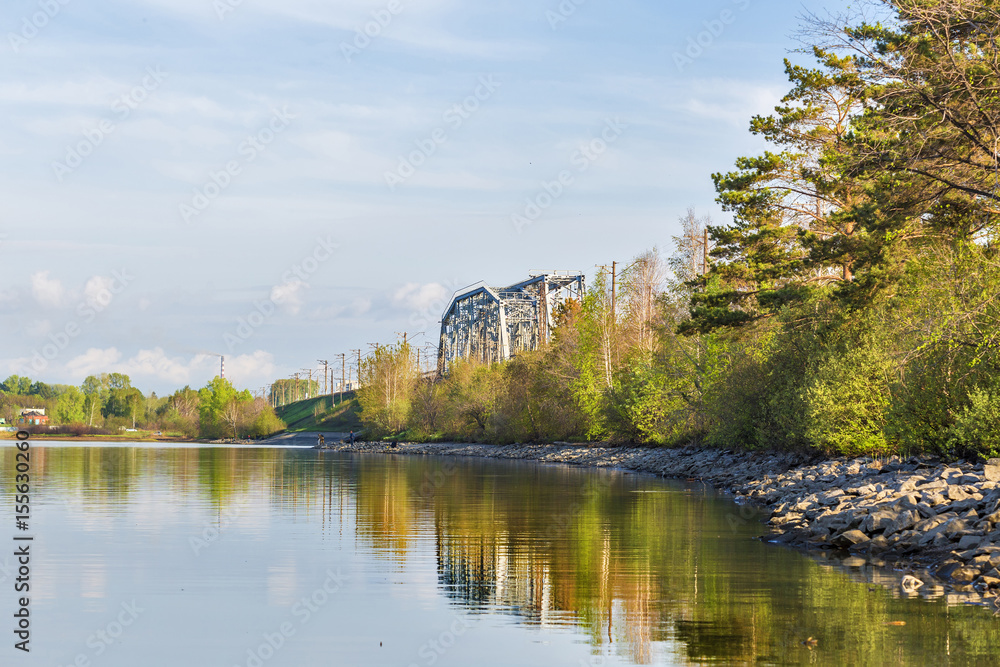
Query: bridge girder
(492, 324)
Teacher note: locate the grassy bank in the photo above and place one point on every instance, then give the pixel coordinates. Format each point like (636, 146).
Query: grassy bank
(321, 414)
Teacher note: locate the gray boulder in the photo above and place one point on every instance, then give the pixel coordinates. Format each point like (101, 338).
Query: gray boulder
(849, 538)
(903, 521)
(991, 471)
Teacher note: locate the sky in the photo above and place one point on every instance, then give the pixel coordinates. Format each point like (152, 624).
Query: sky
(283, 181)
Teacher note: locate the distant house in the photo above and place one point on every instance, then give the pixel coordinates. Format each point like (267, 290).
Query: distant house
(33, 417)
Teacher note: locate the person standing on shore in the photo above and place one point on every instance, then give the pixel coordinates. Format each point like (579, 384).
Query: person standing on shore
(352, 437)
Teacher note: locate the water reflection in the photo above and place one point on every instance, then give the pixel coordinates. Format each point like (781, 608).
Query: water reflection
(643, 571)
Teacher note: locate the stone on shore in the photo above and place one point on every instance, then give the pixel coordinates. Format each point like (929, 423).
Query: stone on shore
(903, 521)
(850, 538)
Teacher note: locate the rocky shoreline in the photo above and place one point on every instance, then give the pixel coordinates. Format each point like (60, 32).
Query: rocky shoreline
(936, 522)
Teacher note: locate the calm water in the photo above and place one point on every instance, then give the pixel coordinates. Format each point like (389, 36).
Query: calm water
(253, 557)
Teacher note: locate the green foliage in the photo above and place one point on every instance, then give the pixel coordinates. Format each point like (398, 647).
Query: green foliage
(736, 391)
(125, 402)
(70, 407)
(95, 389)
(387, 378)
(179, 412)
(470, 395)
(531, 404)
(846, 398)
(592, 357)
(976, 431)
(264, 425)
(645, 405)
(222, 409)
(43, 390)
(15, 384)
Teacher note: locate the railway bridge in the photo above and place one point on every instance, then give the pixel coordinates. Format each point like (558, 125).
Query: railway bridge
(491, 324)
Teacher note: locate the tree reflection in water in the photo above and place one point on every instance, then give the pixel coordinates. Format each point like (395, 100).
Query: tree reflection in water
(650, 571)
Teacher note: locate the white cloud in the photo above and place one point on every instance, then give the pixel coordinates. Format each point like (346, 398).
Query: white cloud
(417, 297)
(38, 328)
(47, 291)
(289, 295)
(97, 292)
(251, 370)
(94, 91)
(92, 362)
(732, 102)
(360, 306)
(146, 367)
(156, 364)
(327, 144)
(344, 14)
(171, 103)
(156, 130)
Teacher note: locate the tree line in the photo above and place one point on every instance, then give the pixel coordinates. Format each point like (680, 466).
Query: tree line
(108, 403)
(850, 306)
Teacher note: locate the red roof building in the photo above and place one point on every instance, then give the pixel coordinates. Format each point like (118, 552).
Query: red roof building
(33, 417)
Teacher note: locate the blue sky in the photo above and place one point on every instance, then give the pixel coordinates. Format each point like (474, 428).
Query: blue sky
(262, 179)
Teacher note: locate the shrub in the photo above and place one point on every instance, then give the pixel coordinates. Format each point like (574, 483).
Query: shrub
(976, 430)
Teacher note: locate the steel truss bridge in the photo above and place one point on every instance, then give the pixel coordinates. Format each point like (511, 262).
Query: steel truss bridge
(491, 324)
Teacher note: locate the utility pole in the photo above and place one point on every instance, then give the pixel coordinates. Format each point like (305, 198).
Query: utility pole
(343, 375)
(614, 284)
(543, 300)
(308, 386)
(614, 290)
(326, 370)
(296, 387)
(359, 367)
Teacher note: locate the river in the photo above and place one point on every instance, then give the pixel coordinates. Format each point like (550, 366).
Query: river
(241, 556)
